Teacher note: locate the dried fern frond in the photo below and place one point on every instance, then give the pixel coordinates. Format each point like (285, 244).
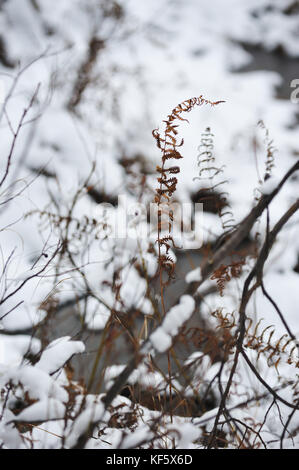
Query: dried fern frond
(168, 144)
(209, 171)
(225, 273)
(270, 149)
(274, 350)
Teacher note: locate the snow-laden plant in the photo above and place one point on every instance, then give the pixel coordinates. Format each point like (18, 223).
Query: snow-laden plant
(97, 348)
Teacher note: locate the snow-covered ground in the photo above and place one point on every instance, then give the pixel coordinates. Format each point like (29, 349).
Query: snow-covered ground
(149, 57)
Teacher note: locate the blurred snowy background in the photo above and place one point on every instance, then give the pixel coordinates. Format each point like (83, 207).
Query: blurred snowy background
(105, 74)
(109, 72)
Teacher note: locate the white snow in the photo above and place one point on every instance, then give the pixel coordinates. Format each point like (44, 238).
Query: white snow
(162, 337)
(58, 353)
(161, 53)
(194, 275)
(43, 410)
